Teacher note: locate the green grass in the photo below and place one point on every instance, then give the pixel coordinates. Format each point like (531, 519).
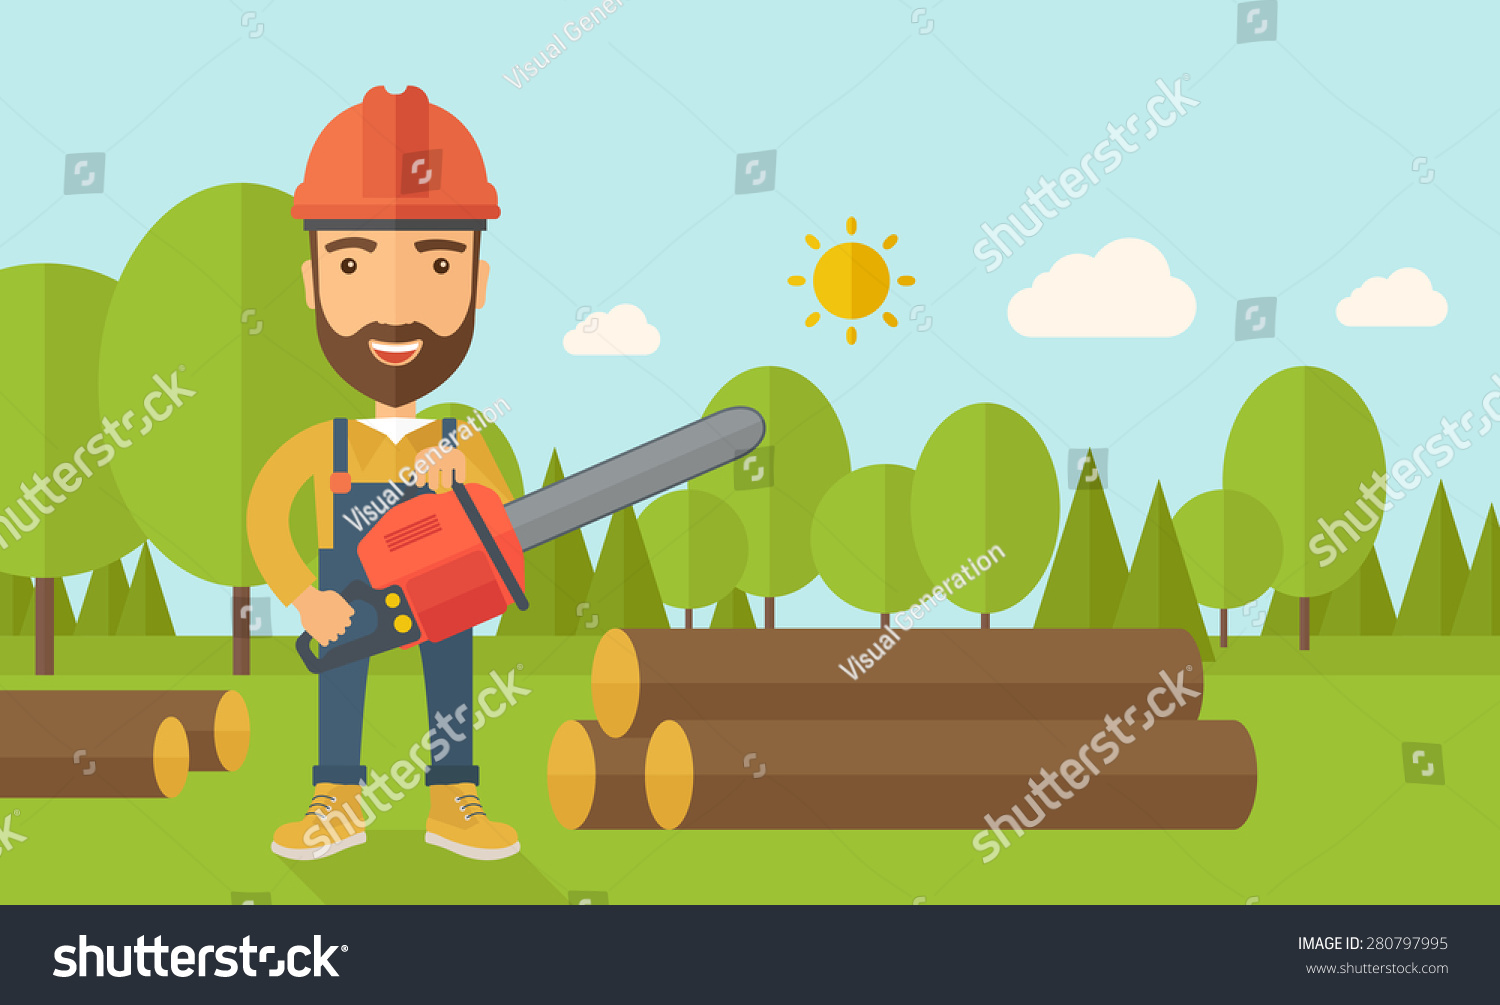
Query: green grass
(1334, 821)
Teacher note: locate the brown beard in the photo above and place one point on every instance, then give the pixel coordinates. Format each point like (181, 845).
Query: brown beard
(394, 386)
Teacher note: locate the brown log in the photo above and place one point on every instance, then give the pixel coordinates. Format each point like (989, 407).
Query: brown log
(215, 727)
(596, 782)
(740, 775)
(644, 676)
(69, 744)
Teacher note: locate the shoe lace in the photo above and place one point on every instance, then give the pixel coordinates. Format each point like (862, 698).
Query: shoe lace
(472, 808)
(319, 809)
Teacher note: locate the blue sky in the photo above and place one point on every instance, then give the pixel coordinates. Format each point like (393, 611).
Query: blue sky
(615, 166)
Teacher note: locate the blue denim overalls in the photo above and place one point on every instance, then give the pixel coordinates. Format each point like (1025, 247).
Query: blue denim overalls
(447, 666)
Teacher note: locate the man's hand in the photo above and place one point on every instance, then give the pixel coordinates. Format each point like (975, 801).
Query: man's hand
(325, 614)
(442, 469)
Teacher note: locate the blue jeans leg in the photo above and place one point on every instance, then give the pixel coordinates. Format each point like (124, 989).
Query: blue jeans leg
(341, 719)
(448, 673)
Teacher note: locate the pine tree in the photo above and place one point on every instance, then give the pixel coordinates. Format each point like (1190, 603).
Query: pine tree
(733, 611)
(623, 593)
(1479, 608)
(558, 574)
(1362, 606)
(145, 610)
(1437, 576)
(63, 622)
(1088, 573)
(15, 604)
(1158, 592)
(104, 602)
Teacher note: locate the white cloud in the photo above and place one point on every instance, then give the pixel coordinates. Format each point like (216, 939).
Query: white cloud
(1405, 299)
(622, 332)
(1125, 291)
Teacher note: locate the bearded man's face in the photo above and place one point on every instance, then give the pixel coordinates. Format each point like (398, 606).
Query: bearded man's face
(395, 308)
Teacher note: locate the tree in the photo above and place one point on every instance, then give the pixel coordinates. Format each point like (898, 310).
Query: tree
(1304, 444)
(697, 547)
(862, 541)
(1362, 606)
(985, 479)
(777, 487)
(69, 516)
(210, 319)
(104, 602)
(1232, 547)
(1436, 584)
(1479, 609)
(733, 611)
(558, 574)
(1159, 592)
(623, 593)
(145, 610)
(15, 603)
(1088, 575)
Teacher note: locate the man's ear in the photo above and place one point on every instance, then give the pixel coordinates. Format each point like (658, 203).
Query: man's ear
(480, 282)
(307, 284)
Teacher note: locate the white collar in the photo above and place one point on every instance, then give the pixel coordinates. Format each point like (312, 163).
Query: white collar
(396, 428)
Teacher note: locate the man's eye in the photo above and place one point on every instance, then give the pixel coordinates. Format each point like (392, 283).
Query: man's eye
(348, 265)
(440, 266)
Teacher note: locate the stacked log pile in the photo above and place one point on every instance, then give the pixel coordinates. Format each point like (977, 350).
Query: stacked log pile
(1084, 729)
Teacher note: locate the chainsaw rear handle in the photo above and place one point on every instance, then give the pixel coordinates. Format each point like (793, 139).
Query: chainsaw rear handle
(392, 609)
(386, 635)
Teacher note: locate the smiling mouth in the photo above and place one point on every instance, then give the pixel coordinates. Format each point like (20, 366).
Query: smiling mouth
(395, 353)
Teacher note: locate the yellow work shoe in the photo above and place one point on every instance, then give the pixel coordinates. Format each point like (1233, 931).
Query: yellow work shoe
(458, 823)
(334, 821)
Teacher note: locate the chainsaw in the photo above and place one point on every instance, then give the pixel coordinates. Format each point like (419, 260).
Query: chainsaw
(439, 564)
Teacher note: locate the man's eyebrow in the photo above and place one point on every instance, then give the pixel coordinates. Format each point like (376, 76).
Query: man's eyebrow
(437, 244)
(362, 243)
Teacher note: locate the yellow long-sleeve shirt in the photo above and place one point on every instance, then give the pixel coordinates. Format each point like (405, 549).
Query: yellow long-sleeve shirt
(372, 458)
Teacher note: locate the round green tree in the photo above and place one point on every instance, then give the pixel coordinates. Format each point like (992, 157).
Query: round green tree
(862, 541)
(777, 487)
(210, 321)
(62, 453)
(697, 547)
(1305, 445)
(985, 479)
(1232, 547)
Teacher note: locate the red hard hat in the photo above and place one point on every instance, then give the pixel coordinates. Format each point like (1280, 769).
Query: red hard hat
(395, 161)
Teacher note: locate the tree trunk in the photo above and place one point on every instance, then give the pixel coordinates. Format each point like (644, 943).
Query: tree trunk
(885, 620)
(241, 615)
(770, 612)
(46, 591)
(944, 775)
(642, 676)
(687, 617)
(1304, 627)
(1223, 628)
(984, 620)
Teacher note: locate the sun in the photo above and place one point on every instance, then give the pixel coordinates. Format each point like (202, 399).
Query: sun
(851, 281)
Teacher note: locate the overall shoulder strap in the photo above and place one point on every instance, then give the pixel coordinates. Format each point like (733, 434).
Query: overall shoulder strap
(450, 433)
(339, 481)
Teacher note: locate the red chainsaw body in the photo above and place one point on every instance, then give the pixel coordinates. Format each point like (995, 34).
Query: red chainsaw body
(428, 548)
